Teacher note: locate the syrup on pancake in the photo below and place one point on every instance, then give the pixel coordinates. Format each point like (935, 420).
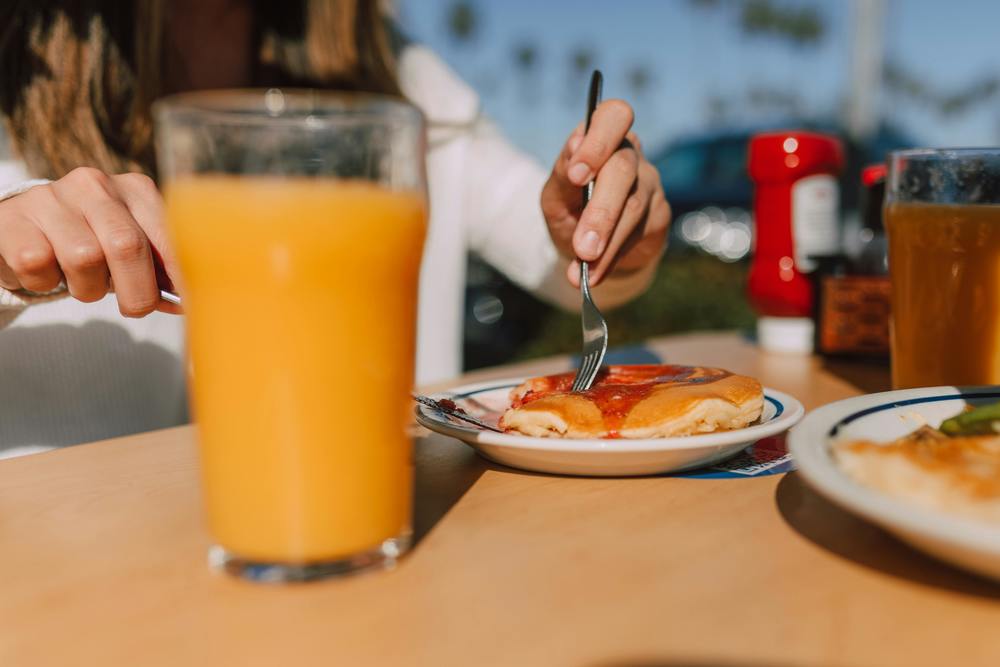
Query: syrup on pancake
(617, 389)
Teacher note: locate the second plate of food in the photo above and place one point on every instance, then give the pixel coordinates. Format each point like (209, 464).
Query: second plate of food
(600, 457)
(903, 460)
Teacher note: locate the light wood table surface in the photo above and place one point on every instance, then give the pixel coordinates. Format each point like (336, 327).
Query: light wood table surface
(102, 552)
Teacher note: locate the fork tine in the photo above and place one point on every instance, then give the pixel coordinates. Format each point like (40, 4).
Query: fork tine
(580, 373)
(587, 379)
(595, 366)
(588, 370)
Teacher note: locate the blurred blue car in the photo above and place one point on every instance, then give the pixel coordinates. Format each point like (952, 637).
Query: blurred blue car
(709, 169)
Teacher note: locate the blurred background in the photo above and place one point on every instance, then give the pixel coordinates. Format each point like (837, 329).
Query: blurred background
(703, 76)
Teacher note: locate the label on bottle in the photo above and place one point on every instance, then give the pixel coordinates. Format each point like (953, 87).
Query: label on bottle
(815, 202)
(854, 315)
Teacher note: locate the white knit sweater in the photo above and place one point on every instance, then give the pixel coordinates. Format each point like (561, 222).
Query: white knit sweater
(72, 372)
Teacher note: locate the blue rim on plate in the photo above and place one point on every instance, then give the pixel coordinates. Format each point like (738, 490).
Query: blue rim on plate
(835, 429)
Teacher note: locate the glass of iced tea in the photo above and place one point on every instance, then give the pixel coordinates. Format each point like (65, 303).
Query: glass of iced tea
(298, 219)
(943, 220)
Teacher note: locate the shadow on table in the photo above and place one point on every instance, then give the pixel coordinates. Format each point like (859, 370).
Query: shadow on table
(869, 376)
(825, 525)
(690, 663)
(445, 470)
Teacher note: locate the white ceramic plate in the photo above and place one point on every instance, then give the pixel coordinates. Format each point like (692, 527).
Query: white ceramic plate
(597, 457)
(883, 417)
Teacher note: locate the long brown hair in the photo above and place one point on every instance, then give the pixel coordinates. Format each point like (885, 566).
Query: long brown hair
(77, 78)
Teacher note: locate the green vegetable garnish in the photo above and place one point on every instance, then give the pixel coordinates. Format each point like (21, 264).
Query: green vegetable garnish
(984, 420)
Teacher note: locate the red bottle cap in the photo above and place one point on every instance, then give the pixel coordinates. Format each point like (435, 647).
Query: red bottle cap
(792, 154)
(872, 174)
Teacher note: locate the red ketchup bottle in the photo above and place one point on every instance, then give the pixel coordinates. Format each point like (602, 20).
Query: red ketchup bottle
(796, 218)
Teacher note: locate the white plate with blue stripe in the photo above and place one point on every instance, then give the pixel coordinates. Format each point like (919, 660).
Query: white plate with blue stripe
(598, 457)
(884, 417)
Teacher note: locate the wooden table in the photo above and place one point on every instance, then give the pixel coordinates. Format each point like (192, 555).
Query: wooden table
(102, 552)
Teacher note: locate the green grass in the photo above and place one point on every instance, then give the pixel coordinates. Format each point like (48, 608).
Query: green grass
(691, 292)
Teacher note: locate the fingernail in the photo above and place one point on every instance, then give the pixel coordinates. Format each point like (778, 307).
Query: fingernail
(590, 245)
(574, 143)
(579, 173)
(573, 273)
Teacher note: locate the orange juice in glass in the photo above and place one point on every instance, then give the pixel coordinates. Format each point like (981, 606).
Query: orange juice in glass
(298, 220)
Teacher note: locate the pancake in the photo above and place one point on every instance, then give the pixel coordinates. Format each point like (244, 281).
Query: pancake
(652, 401)
(960, 475)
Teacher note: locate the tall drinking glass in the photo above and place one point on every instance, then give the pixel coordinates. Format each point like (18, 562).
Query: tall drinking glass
(943, 220)
(298, 219)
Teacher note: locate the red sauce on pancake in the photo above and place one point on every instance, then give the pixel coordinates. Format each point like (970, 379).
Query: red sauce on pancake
(618, 389)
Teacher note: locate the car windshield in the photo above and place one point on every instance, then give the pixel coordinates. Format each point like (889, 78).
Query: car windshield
(728, 166)
(682, 166)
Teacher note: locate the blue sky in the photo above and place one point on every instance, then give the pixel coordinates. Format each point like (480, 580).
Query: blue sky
(695, 54)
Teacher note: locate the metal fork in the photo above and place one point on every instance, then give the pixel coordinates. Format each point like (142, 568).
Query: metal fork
(455, 412)
(170, 297)
(595, 328)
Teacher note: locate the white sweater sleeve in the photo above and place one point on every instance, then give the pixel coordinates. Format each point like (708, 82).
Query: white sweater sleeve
(500, 190)
(13, 302)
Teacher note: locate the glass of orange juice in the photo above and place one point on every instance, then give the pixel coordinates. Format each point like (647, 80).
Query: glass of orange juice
(298, 219)
(943, 220)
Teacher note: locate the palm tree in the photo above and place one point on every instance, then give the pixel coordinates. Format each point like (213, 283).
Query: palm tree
(462, 21)
(526, 57)
(639, 77)
(582, 60)
(581, 63)
(800, 25)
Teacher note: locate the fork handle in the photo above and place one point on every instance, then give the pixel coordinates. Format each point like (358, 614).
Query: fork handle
(170, 297)
(593, 99)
